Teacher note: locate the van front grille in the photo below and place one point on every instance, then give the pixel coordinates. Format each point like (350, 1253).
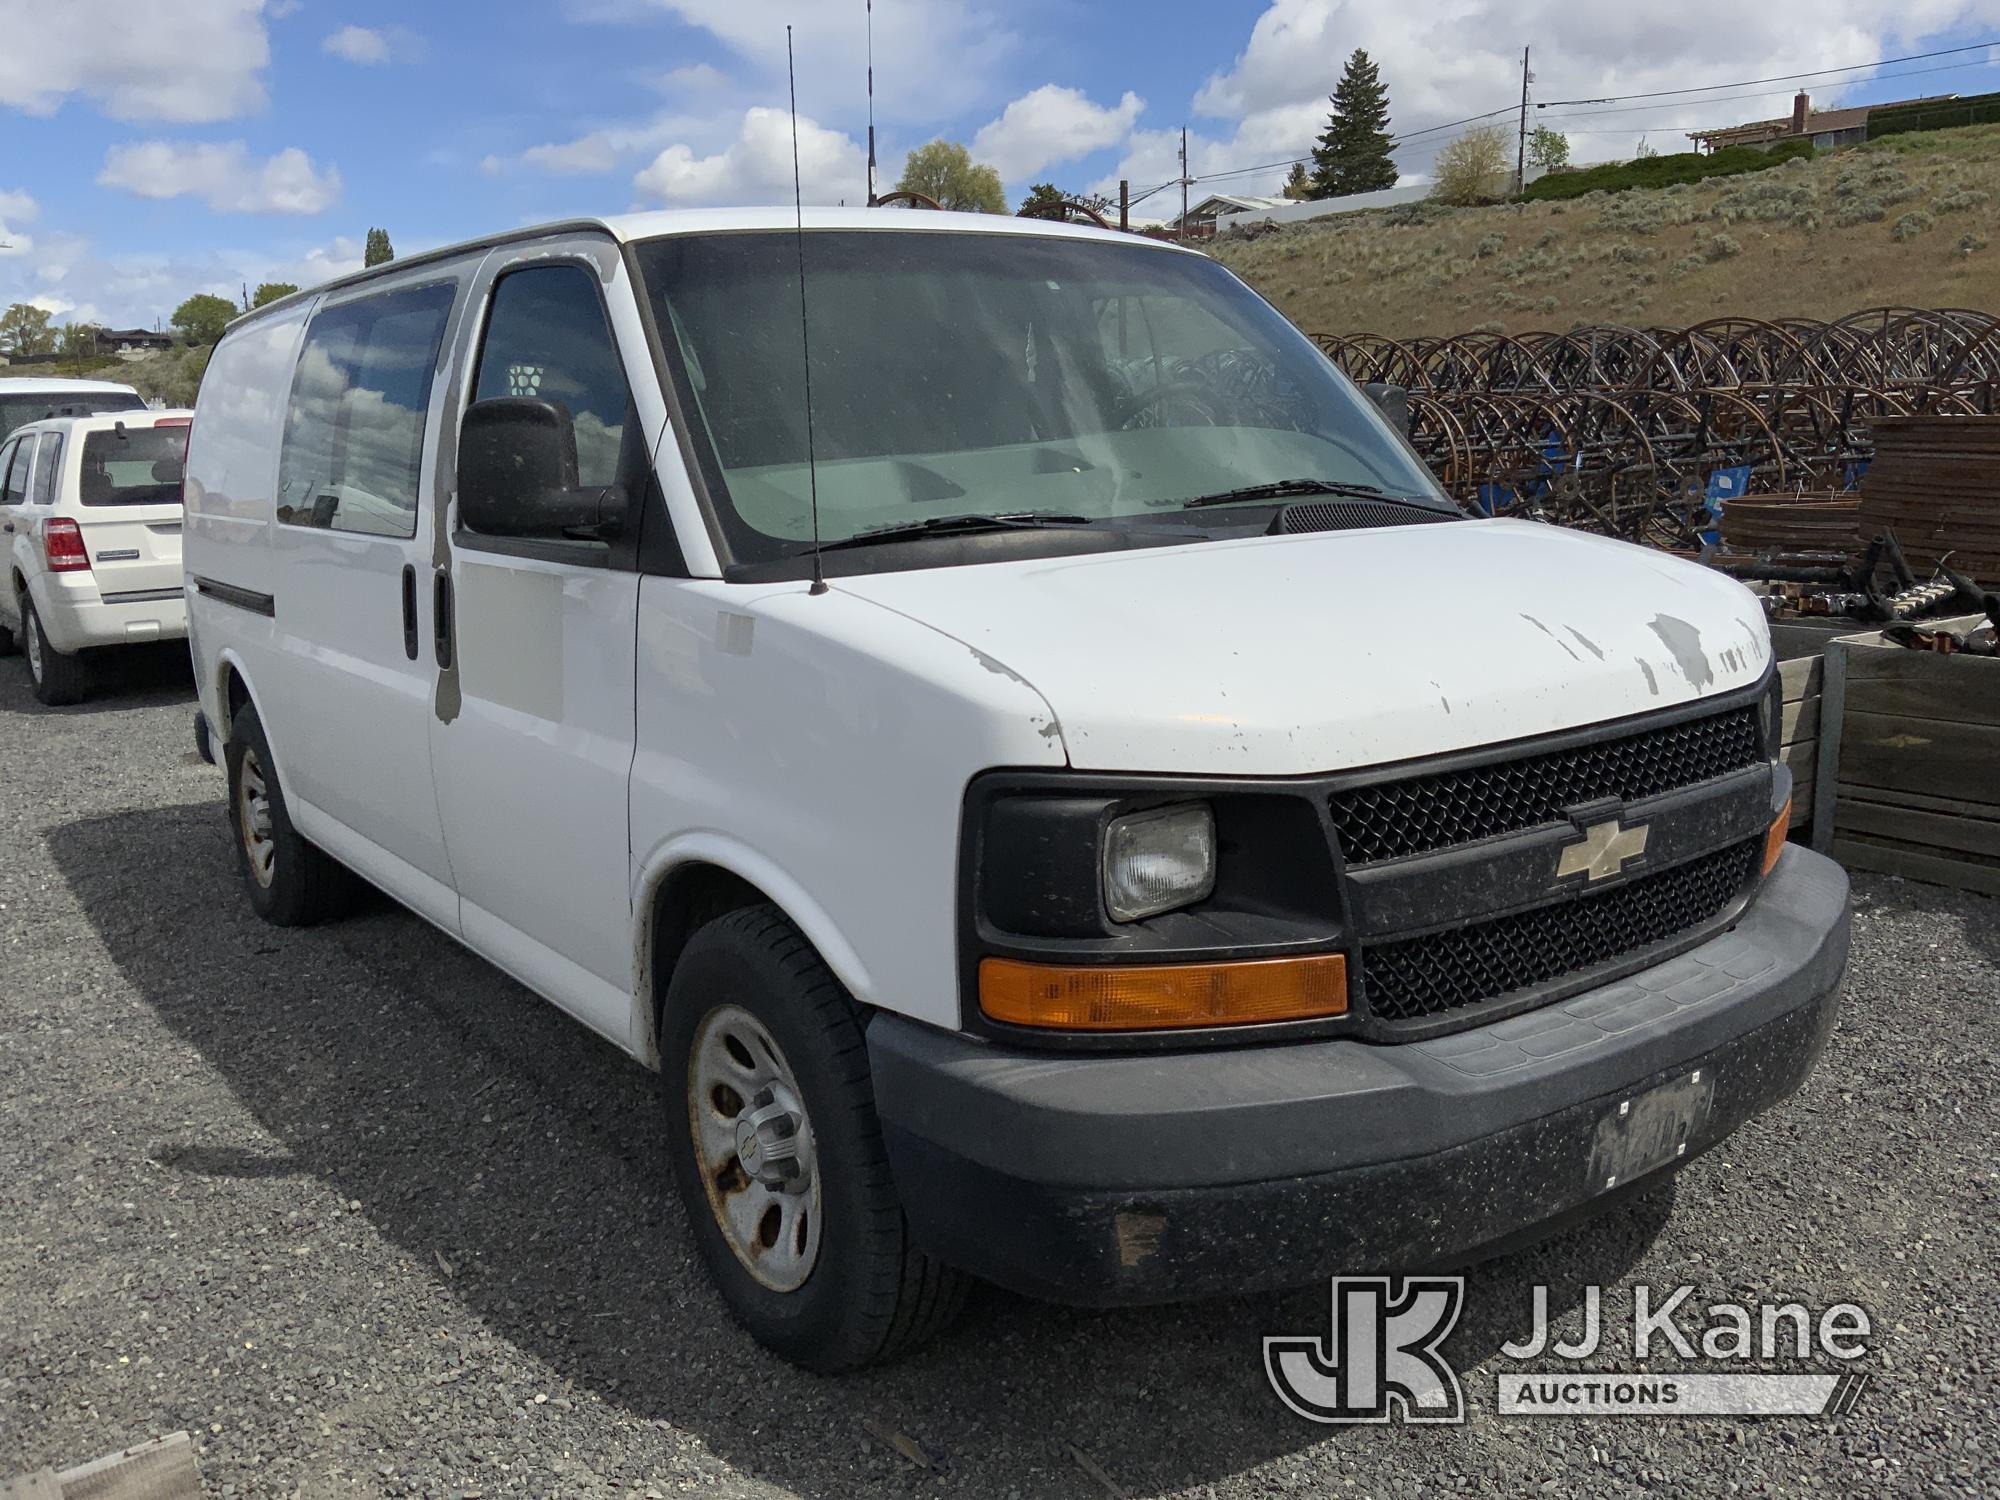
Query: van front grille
(1414, 978)
(1424, 812)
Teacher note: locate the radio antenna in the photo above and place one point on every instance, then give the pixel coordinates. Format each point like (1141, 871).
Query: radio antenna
(805, 334)
(871, 103)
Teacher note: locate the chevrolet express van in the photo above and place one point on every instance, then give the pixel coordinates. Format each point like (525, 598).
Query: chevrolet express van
(1046, 777)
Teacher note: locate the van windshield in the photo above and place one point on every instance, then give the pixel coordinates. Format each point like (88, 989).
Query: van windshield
(133, 466)
(960, 374)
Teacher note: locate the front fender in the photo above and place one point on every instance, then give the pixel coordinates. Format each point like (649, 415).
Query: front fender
(726, 852)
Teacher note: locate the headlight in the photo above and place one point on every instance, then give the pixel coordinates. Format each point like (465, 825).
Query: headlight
(1158, 860)
(1771, 715)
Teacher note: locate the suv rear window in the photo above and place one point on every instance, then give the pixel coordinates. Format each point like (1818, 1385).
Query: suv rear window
(138, 466)
(16, 408)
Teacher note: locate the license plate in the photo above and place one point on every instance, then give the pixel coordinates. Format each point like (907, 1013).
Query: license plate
(1647, 1131)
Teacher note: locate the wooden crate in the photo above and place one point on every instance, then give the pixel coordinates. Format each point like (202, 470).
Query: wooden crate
(1800, 648)
(1917, 758)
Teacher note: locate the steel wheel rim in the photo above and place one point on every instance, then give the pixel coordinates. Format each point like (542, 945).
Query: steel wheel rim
(253, 820)
(32, 629)
(754, 1147)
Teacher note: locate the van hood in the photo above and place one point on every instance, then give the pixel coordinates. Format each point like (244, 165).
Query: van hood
(1274, 656)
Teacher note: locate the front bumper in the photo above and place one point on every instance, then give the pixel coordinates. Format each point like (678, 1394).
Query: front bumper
(1127, 1179)
(76, 617)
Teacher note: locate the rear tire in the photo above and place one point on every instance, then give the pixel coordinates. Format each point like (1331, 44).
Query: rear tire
(292, 883)
(800, 1227)
(60, 677)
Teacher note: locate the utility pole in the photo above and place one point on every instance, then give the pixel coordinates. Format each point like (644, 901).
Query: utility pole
(1521, 145)
(1125, 203)
(1181, 231)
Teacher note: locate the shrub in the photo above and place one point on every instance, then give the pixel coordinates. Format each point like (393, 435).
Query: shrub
(1911, 225)
(1962, 200)
(1719, 247)
(1472, 168)
(1490, 245)
(1859, 211)
(1968, 243)
(1684, 167)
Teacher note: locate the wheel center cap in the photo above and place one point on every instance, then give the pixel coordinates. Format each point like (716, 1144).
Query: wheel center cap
(769, 1142)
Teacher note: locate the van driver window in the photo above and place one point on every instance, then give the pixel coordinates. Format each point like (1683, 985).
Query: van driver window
(354, 432)
(546, 338)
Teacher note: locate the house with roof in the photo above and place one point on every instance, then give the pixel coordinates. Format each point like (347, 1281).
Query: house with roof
(1823, 127)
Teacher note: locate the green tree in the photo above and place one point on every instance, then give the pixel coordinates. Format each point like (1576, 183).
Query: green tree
(25, 330)
(945, 170)
(1474, 168)
(1353, 151)
(202, 317)
(1043, 195)
(379, 251)
(1548, 150)
(1298, 186)
(76, 345)
(271, 291)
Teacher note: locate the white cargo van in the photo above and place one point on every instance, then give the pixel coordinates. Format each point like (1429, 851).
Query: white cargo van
(90, 519)
(1060, 797)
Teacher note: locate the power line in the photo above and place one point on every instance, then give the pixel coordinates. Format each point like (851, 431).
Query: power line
(1880, 62)
(1637, 109)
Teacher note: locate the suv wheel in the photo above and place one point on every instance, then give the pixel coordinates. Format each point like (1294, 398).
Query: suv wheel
(60, 677)
(778, 1156)
(292, 883)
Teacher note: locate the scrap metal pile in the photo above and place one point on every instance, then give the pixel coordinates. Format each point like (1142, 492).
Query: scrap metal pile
(1635, 432)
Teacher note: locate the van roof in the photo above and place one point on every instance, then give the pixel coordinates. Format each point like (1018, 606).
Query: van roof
(626, 228)
(11, 385)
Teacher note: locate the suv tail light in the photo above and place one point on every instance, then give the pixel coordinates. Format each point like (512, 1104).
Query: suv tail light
(62, 545)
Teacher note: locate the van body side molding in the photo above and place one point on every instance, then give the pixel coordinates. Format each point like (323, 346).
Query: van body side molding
(242, 598)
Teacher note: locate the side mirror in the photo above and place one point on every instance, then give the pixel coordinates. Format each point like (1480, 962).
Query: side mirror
(517, 474)
(1393, 401)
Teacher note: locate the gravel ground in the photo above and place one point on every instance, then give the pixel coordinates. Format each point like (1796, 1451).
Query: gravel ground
(365, 1217)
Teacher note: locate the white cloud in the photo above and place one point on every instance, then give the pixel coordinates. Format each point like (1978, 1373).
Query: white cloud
(55, 307)
(756, 167)
(373, 46)
(189, 61)
(1273, 97)
(1051, 124)
(690, 79)
(933, 58)
(226, 177)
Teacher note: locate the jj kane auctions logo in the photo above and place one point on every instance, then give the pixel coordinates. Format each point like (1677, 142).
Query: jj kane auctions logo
(1381, 1361)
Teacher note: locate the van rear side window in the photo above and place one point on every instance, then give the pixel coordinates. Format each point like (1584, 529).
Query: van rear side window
(354, 433)
(132, 466)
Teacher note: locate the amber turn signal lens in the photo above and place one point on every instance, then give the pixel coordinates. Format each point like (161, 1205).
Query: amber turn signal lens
(1774, 841)
(1123, 997)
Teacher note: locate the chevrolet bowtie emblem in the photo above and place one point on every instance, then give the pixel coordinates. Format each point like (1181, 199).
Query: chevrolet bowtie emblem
(1603, 850)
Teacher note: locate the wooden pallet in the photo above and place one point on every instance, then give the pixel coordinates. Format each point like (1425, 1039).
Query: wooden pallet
(1917, 758)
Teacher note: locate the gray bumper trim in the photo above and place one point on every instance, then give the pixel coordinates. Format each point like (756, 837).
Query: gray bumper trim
(1254, 1114)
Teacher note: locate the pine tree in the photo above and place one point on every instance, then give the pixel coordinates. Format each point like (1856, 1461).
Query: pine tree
(378, 250)
(1298, 186)
(1353, 151)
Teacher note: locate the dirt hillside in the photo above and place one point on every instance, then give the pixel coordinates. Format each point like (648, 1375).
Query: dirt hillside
(1910, 219)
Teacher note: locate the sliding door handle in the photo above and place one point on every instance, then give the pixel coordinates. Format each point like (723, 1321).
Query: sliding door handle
(441, 622)
(410, 611)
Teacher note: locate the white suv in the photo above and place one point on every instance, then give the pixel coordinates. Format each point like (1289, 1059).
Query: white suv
(90, 512)
(1060, 795)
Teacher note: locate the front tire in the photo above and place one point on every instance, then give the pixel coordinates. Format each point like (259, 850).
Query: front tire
(777, 1153)
(292, 883)
(60, 677)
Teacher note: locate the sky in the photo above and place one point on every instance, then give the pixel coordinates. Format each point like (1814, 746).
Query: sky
(156, 148)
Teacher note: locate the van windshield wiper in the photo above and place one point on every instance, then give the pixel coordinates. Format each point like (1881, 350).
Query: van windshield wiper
(1278, 489)
(966, 525)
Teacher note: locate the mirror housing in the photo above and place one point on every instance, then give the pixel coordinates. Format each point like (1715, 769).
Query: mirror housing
(517, 474)
(1393, 401)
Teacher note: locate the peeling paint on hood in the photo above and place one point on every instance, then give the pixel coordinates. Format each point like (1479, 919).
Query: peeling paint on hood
(1289, 655)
